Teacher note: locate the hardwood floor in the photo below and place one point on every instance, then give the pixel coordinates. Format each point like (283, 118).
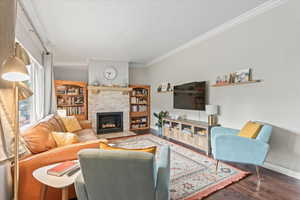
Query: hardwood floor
(274, 186)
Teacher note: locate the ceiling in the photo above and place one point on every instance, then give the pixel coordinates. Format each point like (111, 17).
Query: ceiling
(128, 30)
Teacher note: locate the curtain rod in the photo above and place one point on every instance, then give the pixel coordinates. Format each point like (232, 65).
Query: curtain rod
(33, 27)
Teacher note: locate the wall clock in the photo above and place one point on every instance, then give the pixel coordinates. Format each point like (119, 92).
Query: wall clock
(110, 73)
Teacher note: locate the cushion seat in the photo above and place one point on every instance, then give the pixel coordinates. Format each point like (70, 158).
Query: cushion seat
(85, 135)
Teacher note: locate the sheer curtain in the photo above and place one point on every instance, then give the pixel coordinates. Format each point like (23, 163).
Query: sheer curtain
(38, 89)
(50, 98)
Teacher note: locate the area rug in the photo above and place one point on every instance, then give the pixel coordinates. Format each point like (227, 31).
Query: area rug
(193, 175)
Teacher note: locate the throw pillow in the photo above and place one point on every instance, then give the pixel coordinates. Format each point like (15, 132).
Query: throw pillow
(71, 123)
(63, 139)
(39, 138)
(106, 146)
(250, 130)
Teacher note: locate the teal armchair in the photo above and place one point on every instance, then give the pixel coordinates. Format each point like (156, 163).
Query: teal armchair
(126, 175)
(228, 146)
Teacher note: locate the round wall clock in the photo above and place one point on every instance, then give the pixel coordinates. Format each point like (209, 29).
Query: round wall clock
(110, 73)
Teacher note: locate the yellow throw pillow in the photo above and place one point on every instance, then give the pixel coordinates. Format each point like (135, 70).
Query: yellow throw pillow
(106, 146)
(250, 130)
(71, 123)
(63, 139)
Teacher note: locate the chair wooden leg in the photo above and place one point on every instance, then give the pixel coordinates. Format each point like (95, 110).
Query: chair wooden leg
(217, 166)
(259, 178)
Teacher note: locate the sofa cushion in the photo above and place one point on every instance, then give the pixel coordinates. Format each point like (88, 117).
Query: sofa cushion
(60, 122)
(71, 123)
(65, 138)
(39, 138)
(54, 124)
(250, 130)
(85, 135)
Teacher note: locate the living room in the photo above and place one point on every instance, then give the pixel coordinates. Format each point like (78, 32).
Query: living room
(211, 100)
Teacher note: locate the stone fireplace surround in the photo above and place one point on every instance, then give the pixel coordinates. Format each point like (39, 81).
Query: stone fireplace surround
(108, 101)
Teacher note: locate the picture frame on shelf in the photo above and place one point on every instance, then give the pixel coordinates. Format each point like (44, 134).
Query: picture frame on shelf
(243, 75)
(165, 87)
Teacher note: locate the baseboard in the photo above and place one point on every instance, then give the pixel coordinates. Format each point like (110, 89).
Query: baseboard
(282, 170)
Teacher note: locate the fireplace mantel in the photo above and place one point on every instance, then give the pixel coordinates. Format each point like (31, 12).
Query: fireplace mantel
(97, 89)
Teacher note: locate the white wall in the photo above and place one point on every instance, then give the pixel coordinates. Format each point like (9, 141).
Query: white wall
(268, 43)
(76, 73)
(96, 70)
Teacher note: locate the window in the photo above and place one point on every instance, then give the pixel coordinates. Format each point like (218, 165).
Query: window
(25, 106)
(31, 109)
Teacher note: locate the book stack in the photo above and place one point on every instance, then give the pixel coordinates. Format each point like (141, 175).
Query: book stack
(63, 168)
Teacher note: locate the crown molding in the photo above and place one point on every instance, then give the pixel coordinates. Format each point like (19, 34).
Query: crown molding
(73, 65)
(222, 28)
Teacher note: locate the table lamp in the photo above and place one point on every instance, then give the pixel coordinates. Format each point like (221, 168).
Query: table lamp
(14, 70)
(211, 111)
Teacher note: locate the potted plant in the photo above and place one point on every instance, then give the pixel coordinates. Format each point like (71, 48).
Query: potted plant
(159, 123)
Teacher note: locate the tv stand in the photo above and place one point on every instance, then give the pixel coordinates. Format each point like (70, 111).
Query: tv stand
(190, 132)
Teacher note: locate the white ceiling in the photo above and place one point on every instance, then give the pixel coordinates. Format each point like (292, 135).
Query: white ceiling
(128, 30)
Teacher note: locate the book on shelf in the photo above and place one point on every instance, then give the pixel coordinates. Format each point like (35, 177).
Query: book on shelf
(64, 90)
(76, 100)
(73, 110)
(63, 168)
(139, 120)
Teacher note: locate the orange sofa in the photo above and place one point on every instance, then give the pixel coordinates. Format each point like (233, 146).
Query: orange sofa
(43, 151)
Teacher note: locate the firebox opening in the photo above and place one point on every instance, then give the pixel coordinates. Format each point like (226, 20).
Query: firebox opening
(109, 122)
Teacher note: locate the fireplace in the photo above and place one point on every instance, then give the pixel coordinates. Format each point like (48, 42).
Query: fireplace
(109, 122)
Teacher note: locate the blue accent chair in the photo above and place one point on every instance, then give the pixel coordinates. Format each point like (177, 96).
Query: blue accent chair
(228, 146)
(126, 175)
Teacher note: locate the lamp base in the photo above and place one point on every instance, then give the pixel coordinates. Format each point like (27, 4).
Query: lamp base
(212, 120)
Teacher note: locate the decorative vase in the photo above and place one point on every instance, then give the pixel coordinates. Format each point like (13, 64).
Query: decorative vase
(159, 131)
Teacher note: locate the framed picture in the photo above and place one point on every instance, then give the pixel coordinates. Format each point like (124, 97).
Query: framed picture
(243, 75)
(164, 87)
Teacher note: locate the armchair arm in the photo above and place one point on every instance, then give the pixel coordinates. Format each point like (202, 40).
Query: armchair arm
(240, 149)
(219, 130)
(163, 174)
(80, 188)
(29, 164)
(85, 124)
(222, 130)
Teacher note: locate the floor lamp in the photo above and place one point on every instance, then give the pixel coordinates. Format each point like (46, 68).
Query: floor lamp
(14, 70)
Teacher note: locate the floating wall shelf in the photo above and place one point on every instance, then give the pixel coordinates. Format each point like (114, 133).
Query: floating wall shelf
(233, 84)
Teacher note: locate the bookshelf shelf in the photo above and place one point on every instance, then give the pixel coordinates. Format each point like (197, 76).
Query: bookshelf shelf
(139, 101)
(72, 97)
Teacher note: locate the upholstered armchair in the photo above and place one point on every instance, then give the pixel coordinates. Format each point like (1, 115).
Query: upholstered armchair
(228, 146)
(126, 175)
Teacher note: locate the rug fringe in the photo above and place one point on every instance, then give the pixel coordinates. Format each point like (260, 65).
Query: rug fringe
(222, 185)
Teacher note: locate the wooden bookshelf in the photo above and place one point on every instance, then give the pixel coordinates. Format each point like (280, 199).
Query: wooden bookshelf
(72, 97)
(139, 101)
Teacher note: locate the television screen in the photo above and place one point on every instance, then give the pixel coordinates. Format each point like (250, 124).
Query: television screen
(190, 96)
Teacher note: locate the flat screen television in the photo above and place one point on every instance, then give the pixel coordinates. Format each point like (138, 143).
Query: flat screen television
(190, 96)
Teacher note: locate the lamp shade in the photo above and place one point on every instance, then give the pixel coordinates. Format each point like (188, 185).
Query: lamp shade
(21, 53)
(13, 69)
(211, 109)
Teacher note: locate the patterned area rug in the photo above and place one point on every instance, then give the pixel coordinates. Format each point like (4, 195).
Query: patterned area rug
(193, 175)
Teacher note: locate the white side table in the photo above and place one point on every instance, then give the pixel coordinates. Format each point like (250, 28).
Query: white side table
(62, 182)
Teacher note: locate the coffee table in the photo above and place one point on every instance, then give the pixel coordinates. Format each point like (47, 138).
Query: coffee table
(62, 182)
